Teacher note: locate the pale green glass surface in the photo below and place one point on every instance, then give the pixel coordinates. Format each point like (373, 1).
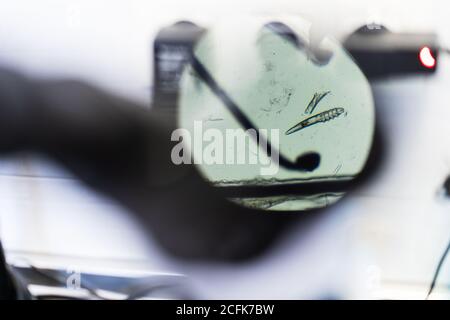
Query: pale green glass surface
(272, 82)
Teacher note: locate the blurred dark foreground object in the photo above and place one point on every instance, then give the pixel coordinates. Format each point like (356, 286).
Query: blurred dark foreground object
(7, 288)
(123, 150)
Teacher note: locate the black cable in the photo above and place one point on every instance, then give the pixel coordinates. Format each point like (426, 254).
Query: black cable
(312, 159)
(438, 270)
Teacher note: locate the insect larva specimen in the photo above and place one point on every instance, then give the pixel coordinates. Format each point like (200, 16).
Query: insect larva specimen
(320, 117)
(315, 101)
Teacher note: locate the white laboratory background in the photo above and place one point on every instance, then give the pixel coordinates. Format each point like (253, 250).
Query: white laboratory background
(383, 241)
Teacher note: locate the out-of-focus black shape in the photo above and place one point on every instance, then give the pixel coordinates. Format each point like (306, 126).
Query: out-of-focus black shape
(447, 186)
(7, 288)
(382, 53)
(123, 150)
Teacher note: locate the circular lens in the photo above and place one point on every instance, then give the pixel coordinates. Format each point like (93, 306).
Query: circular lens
(272, 122)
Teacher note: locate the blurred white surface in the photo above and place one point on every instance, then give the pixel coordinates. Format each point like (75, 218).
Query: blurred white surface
(379, 242)
(109, 42)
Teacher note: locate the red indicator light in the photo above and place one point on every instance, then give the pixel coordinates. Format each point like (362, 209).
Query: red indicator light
(426, 58)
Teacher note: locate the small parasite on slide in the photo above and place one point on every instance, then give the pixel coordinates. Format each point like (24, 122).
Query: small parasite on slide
(318, 118)
(318, 96)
